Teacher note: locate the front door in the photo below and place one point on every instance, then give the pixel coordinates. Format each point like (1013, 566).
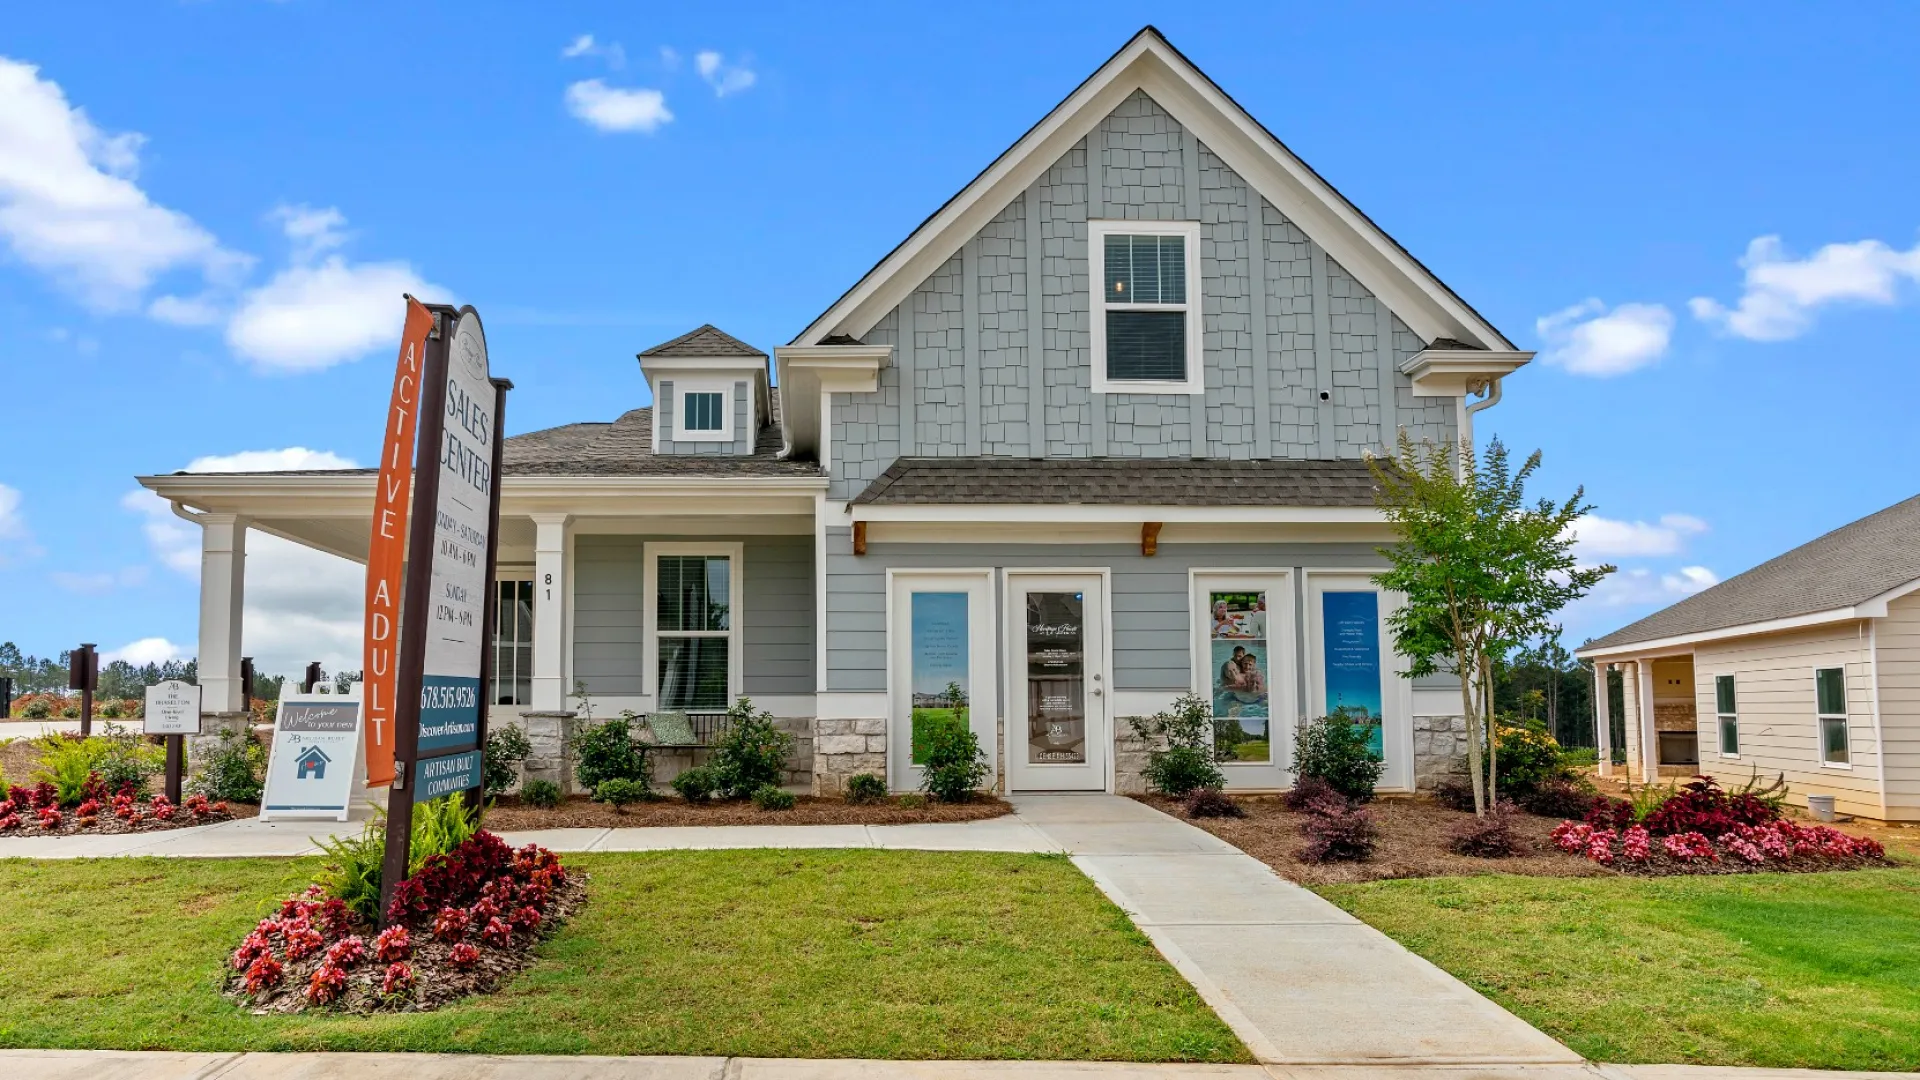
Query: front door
(940, 660)
(1059, 733)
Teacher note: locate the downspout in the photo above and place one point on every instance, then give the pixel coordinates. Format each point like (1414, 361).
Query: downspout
(1466, 414)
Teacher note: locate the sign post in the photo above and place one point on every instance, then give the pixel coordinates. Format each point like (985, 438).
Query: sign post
(83, 674)
(440, 671)
(173, 711)
(6, 697)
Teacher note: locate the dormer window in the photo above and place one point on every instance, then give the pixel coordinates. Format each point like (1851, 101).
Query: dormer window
(1146, 305)
(703, 410)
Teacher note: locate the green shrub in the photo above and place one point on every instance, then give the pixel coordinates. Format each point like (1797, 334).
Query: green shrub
(540, 794)
(1186, 762)
(439, 826)
(1525, 758)
(128, 761)
(750, 754)
(696, 785)
(620, 794)
(608, 751)
(68, 763)
(70, 711)
(231, 770)
(1579, 757)
(955, 766)
(1334, 749)
(865, 788)
(37, 709)
(507, 747)
(110, 711)
(352, 870)
(770, 797)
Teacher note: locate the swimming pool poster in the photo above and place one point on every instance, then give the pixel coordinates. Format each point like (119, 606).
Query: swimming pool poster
(1350, 629)
(939, 663)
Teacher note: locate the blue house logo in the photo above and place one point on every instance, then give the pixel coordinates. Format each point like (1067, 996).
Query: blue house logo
(311, 764)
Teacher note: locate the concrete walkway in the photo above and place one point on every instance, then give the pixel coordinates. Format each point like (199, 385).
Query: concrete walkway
(153, 1065)
(1300, 981)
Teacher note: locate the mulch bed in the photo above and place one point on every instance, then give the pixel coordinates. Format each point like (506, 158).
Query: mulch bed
(1412, 844)
(105, 824)
(509, 814)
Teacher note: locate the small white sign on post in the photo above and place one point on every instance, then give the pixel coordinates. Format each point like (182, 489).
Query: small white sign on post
(173, 708)
(314, 758)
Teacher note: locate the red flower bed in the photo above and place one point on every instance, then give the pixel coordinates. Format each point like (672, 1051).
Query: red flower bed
(461, 925)
(1777, 845)
(35, 811)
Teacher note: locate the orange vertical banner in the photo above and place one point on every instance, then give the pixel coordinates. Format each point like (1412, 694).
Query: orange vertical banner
(387, 549)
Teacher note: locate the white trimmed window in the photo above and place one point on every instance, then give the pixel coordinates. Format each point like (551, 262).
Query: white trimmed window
(702, 411)
(693, 626)
(1146, 307)
(1830, 705)
(1726, 707)
(512, 642)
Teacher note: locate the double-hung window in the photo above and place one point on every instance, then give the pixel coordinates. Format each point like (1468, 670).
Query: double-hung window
(1146, 306)
(1830, 704)
(702, 410)
(695, 625)
(1724, 706)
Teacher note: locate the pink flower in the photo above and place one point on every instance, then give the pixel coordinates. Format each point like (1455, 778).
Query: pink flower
(327, 983)
(1636, 844)
(1572, 836)
(263, 974)
(497, 934)
(398, 979)
(393, 945)
(1600, 847)
(303, 942)
(463, 955)
(450, 924)
(347, 952)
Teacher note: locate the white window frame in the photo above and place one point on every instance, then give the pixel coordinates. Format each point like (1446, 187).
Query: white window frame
(1720, 718)
(736, 614)
(501, 577)
(1820, 718)
(1283, 711)
(983, 712)
(1097, 233)
(683, 387)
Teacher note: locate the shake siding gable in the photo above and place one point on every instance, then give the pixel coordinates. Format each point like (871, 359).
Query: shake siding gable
(1779, 729)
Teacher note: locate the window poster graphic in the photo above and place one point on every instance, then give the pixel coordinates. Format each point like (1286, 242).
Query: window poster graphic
(1350, 632)
(1237, 640)
(1056, 678)
(939, 664)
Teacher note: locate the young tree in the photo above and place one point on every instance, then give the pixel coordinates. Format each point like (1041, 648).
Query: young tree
(1482, 570)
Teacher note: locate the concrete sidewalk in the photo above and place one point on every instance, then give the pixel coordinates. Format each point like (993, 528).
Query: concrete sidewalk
(132, 1065)
(251, 837)
(1300, 981)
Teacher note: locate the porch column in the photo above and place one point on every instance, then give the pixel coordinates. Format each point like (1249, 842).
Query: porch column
(1630, 706)
(223, 587)
(1602, 718)
(550, 611)
(1649, 742)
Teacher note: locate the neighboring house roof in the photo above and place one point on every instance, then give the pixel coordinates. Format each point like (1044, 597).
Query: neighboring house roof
(1843, 569)
(1121, 481)
(1150, 63)
(707, 340)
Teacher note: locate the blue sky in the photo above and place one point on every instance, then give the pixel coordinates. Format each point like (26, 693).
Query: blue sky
(1600, 182)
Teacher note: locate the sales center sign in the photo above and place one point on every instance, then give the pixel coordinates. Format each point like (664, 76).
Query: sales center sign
(450, 693)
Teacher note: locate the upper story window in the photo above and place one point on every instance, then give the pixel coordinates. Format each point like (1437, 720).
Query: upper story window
(703, 411)
(1146, 307)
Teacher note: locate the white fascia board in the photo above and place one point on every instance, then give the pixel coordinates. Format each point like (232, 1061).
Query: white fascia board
(1048, 513)
(1876, 608)
(291, 496)
(1411, 291)
(1683, 643)
(1455, 372)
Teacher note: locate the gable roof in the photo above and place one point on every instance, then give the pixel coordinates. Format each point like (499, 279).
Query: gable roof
(951, 481)
(1151, 64)
(1842, 570)
(705, 340)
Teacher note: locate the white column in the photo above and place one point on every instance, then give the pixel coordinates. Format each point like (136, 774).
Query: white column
(223, 587)
(1602, 718)
(1630, 709)
(1649, 742)
(551, 610)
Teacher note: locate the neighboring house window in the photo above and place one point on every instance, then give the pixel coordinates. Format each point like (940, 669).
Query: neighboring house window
(694, 625)
(1146, 306)
(1729, 716)
(1830, 702)
(512, 643)
(701, 411)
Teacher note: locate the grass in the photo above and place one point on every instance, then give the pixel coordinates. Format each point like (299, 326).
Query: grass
(1814, 971)
(872, 954)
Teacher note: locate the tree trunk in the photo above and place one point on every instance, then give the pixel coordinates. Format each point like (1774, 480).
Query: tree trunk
(1493, 734)
(1471, 712)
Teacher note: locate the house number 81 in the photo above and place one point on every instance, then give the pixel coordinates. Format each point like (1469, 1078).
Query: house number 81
(549, 584)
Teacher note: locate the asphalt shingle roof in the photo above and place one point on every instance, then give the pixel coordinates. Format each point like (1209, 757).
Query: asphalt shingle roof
(1121, 481)
(1848, 566)
(707, 340)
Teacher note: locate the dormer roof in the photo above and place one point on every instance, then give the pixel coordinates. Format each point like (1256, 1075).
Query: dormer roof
(706, 341)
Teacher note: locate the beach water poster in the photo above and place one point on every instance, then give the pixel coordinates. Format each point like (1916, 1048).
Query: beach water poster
(1241, 676)
(1350, 627)
(940, 664)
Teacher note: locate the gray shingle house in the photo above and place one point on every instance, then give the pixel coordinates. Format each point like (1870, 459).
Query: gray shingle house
(1091, 438)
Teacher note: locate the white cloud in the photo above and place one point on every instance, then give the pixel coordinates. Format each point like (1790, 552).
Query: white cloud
(308, 318)
(16, 540)
(202, 310)
(610, 108)
(148, 650)
(174, 543)
(1641, 586)
(612, 52)
(101, 582)
(1605, 538)
(1782, 293)
(723, 77)
(312, 231)
(669, 58)
(291, 459)
(69, 205)
(1587, 339)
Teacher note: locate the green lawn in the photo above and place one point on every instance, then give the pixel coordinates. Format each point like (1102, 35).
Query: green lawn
(1779, 970)
(870, 954)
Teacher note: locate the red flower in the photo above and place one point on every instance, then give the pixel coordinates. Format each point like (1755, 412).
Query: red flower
(525, 919)
(347, 952)
(11, 821)
(253, 948)
(50, 819)
(393, 945)
(463, 955)
(7, 807)
(497, 934)
(327, 983)
(88, 808)
(450, 924)
(483, 910)
(263, 973)
(398, 980)
(302, 943)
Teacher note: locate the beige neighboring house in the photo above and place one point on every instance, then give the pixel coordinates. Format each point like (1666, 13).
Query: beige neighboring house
(1807, 665)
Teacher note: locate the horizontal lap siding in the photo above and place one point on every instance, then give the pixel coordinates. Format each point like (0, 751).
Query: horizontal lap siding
(1898, 640)
(1779, 729)
(609, 605)
(1151, 624)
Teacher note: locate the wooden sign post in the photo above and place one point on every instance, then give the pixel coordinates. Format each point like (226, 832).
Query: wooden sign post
(173, 711)
(447, 595)
(83, 674)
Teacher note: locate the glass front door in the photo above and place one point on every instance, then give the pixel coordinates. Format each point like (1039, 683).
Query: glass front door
(940, 663)
(1059, 734)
